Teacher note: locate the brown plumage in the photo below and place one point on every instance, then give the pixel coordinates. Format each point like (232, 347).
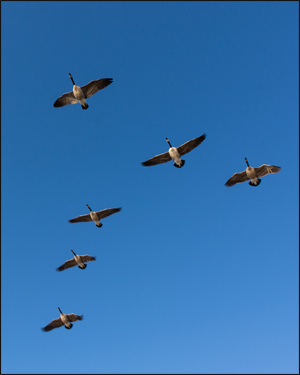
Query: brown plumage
(172, 153)
(78, 260)
(252, 174)
(85, 92)
(64, 319)
(95, 216)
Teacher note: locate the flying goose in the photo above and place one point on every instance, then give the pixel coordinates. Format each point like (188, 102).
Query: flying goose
(64, 319)
(95, 216)
(252, 174)
(77, 260)
(79, 94)
(175, 153)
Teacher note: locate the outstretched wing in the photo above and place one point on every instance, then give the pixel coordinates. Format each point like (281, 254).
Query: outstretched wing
(265, 169)
(65, 99)
(158, 159)
(54, 324)
(81, 219)
(92, 87)
(107, 212)
(68, 264)
(87, 258)
(190, 145)
(237, 178)
(74, 317)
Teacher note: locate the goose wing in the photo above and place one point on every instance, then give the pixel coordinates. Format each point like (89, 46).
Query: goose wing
(54, 324)
(158, 159)
(107, 212)
(68, 264)
(81, 219)
(190, 145)
(237, 178)
(74, 317)
(67, 98)
(266, 169)
(87, 258)
(92, 87)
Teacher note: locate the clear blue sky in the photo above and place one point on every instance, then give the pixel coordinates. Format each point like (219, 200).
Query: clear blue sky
(191, 276)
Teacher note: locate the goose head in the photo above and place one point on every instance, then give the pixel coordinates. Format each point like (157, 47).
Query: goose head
(247, 162)
(73, 252)
(59, 310)
(89, 207)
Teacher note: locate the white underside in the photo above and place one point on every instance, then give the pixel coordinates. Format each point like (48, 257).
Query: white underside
(95, 218)
(65, 320)
(83, 102)
(78, 260)
(254, 180)
(175, 155)
(251, 174)
(79, 95)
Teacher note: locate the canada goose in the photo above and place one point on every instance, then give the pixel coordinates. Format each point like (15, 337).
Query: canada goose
(95, 216)
(64, 319)
(79, 94)
(175, 153)
(78, 259)
(252, 174)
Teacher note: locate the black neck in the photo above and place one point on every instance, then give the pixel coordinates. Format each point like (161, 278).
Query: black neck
(247, 162)
(71, 78)
(169, 142)
(89, 207)
(73, 252)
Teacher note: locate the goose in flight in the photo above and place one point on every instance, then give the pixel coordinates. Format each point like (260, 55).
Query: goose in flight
(79, 94)
(64, 319)
(252, 174)
(175, 153)
(95, 216)
(77, 260)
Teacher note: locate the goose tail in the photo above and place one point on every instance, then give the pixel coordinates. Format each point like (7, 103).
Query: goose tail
(258, 182)
(181, 164)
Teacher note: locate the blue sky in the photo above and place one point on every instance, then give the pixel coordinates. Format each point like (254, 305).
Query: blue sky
(191, 276)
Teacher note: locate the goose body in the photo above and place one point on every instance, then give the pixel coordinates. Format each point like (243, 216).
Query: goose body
(80, 94)
(77, 260)
(252, 174)
(64, 319)
(95, 216)
(175, 153)
(175, 156)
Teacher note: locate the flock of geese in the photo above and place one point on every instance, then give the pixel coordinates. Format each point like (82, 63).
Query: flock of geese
(80, 94)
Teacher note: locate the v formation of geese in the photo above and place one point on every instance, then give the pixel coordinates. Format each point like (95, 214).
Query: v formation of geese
(80, 94)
